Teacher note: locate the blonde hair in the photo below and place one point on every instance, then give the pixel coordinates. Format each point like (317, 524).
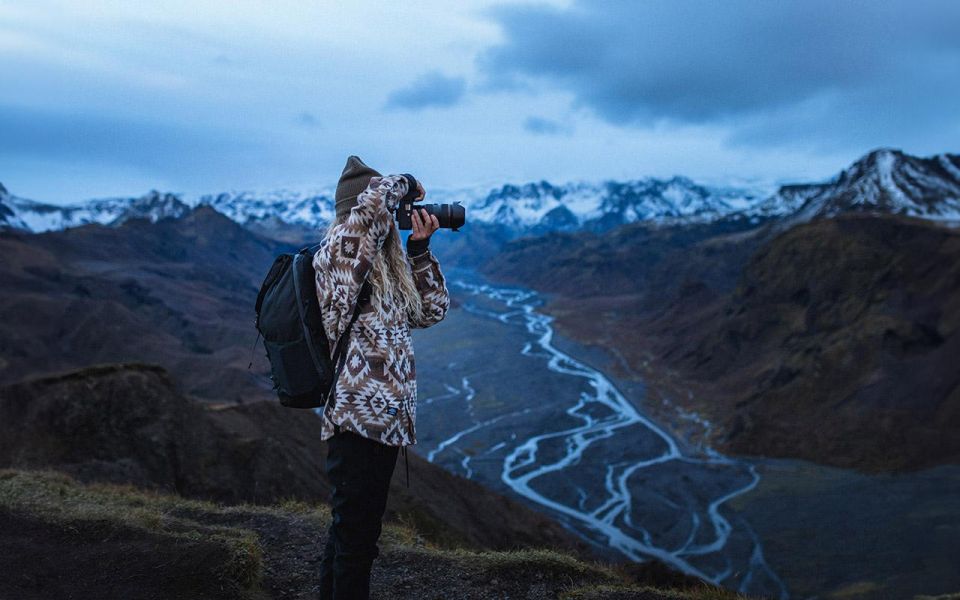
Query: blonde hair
(391, 275)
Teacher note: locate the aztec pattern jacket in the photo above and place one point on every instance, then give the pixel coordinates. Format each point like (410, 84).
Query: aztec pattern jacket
(376, 393)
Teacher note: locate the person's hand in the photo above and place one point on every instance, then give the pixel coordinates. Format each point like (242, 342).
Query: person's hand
(423, 226)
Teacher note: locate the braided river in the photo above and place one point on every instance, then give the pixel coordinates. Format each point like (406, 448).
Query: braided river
(505, 401)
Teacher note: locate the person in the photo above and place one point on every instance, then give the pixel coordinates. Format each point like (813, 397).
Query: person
(371, 413)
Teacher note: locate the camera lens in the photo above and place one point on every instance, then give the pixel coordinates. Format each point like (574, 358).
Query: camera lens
(450, 216)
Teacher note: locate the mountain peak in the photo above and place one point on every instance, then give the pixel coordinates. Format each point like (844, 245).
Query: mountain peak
(877, 162)
(881, 153)
(887, 180)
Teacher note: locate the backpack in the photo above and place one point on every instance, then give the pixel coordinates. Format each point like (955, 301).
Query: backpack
(289, 319)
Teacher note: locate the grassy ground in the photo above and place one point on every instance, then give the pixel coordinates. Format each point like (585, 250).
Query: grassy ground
(62, 539)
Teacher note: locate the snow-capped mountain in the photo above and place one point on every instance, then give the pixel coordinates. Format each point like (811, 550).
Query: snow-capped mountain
(884, 180)
(673, 200)
(8, 214)
(528, 208)
(311, 209)
(29, 215)
(544, 206)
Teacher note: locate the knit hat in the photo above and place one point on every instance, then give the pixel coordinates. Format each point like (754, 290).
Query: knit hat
(354, 179)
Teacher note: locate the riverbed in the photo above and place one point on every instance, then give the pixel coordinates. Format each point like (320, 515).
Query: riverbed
(505, 401)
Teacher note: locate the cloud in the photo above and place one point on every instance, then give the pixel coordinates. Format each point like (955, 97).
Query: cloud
(541, 126)
(76, 135)
(308, 119)
(430, 89)
(811, 68)
(58, 142)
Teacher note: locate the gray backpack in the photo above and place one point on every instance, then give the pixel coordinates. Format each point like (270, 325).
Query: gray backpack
(288, 317)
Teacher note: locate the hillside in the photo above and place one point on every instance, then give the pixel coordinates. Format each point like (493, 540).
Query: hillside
(111, 464)
(640, 265)
(837, 342)
(177, 292)
(165, 547)
(129, 424)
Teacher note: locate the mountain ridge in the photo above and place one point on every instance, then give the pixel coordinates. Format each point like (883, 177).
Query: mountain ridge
(884, 179)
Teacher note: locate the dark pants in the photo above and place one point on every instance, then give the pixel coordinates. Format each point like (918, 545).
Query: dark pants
(360, 470)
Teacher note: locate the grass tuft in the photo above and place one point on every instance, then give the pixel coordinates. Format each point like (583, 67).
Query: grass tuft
(57, 498)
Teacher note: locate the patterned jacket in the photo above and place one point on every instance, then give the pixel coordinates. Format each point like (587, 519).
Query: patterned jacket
(376, 393)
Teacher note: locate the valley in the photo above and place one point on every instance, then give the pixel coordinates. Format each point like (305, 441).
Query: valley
(753, 389)
(640, 485)
(836, 342)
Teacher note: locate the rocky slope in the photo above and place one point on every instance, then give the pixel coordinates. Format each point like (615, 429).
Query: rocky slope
(639, 265)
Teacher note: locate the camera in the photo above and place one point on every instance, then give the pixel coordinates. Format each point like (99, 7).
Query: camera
(451, 216)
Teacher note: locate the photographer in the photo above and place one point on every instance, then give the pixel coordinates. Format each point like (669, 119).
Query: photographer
(372, 413)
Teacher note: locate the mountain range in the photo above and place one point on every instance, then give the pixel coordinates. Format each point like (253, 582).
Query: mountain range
(527, 208)
(885, 179)
(36, 217)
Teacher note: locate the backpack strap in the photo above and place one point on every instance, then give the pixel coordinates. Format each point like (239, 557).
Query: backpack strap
(339, 352)
(276, 269)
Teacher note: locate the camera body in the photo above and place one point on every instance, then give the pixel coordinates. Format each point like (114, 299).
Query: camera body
(450, 216)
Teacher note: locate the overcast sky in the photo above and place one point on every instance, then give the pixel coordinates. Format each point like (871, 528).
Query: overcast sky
(115, 98)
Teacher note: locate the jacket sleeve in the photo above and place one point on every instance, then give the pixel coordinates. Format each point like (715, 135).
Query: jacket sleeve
(433, 289)
(344, 261)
